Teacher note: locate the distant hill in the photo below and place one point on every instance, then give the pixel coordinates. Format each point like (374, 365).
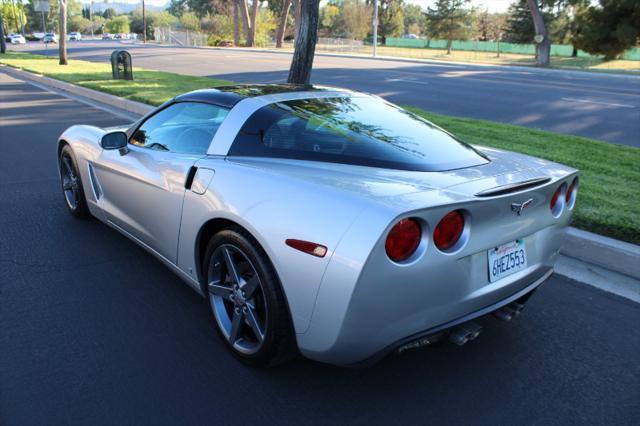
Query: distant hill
(121, 7)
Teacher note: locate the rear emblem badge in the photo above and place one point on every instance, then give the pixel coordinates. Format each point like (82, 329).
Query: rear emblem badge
(518, 208)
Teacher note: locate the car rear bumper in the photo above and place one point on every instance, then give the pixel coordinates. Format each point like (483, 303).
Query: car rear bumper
(521, 296)
(363, 343)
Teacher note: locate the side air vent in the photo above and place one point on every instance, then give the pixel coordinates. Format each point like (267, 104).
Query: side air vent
(95, 186)
(513, 187)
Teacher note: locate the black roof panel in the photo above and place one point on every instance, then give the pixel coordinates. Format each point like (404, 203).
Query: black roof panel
(228, 96)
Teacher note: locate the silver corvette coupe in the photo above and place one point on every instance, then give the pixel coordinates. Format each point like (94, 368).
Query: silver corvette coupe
(324, 221)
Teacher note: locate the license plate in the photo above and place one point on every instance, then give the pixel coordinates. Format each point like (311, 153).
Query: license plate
(506, 260)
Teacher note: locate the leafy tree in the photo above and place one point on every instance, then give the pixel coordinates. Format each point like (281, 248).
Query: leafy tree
(449, 19)
(391, 17)
(610, 28)
(14, 17)
(414, 19)
(190, 21)
(266, 24)
(118, 24)
(109, 13)
(78, 23)
(177, 7)
(489, 26)
(355, 19)
(221, 28)
(329, 15)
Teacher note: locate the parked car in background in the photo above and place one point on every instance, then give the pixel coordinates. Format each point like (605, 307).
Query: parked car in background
(50, 38)
(410, 36)
(133, 36)
(107, 36)
(121, 36)
(75, 36)
(16, 39)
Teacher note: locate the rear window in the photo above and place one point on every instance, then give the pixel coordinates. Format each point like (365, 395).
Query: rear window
(359, 130)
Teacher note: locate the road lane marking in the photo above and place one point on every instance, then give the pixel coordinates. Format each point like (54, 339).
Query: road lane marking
(587, 101)
(400, 80)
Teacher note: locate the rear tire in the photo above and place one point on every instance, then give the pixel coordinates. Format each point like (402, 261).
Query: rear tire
(72, 188)
(246, 300)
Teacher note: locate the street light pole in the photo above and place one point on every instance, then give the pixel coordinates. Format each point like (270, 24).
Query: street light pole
(144, 24)
(375, 26)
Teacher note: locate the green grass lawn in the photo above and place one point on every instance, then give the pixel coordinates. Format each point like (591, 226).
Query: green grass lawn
(151, 87)
(609, 197)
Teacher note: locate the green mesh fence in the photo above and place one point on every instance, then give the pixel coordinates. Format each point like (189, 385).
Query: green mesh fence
(490, 46)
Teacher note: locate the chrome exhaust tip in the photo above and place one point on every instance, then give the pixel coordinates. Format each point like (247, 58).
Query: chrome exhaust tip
(464, 333)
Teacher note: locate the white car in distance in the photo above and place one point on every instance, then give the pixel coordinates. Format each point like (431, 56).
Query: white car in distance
(17, 39)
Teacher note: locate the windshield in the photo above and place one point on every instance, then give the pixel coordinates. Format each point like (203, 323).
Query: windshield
(359, 130)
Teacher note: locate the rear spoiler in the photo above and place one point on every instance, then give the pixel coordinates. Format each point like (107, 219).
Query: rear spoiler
(513, 187)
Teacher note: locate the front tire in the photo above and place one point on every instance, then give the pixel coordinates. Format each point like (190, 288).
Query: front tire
(246, 300)
(72, 188)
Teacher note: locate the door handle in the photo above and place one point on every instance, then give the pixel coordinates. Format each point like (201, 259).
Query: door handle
(190, 175)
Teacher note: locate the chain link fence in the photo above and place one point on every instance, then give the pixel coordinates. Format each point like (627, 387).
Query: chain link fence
(170, 36)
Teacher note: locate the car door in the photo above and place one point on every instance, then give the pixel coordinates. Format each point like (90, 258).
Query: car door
(143, 186)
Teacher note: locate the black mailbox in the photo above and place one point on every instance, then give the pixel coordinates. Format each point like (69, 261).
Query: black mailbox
(121, 68)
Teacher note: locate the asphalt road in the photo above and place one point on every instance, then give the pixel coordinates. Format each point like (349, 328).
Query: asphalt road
(599, 106)
(93, 330)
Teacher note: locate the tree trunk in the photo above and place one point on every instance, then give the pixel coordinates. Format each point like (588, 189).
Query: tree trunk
(3, 44)
(236, 23)
(21, 18)
(298, 8)
(543, 49)
(251, 39)
(62, 41)
(574, 52)
(246, 23)
(300, 71)
(449, 43)
(282, 26)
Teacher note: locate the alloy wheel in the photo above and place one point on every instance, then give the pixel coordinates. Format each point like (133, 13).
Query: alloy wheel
(70, 181)
(237, 299)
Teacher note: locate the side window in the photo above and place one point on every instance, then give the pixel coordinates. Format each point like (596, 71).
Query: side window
(184, 127)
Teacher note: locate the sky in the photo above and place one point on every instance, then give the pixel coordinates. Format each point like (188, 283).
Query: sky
(491, 5)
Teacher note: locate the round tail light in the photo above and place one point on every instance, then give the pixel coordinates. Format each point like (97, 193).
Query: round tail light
(448, 231)
(403, 240)
(572, 192)
(557, 200)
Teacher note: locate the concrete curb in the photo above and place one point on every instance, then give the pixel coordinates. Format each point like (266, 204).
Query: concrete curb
(603, 253)
(105, 98)
(544, 71)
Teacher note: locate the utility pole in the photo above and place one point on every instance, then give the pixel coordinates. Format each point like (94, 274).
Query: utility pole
(375, 26)
(144, 24)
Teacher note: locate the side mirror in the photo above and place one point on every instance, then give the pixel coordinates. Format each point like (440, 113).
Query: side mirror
(114, 140)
